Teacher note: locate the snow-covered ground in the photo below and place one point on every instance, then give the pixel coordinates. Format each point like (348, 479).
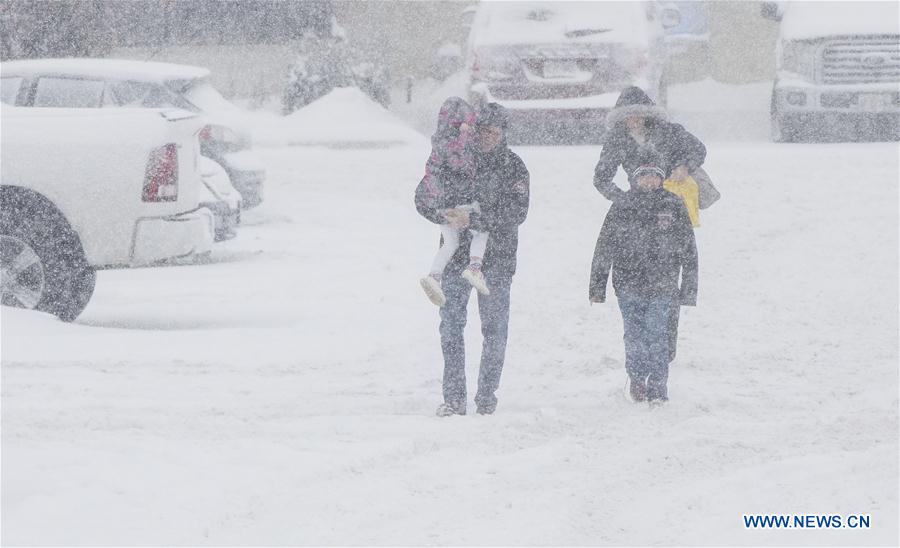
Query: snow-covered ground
(284, 394)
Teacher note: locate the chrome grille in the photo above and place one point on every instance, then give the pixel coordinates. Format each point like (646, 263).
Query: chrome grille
(860, 61)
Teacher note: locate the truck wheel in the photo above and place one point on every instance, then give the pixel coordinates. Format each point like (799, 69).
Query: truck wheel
(782, 131)
(42, 263)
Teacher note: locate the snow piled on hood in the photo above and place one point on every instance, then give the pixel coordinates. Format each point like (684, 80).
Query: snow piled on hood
(806, 20)
(344, 118)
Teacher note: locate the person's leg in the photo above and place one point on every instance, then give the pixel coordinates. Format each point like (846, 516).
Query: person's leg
(658, 316)
(633, 311)
(494, 312)
(431, 284)
(473, 273)
(672, 330)
(477, 247)
(446, 251)
(453, 323)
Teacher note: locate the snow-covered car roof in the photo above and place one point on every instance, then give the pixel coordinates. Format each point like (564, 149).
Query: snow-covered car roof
(107, 69)
(500, 23)
(172, 114)
(807, 20)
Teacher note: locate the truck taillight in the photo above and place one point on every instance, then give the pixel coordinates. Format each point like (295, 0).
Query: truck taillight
(161, 177)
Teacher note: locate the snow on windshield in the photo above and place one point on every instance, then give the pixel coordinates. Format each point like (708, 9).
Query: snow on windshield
(548, 22)
(209, 99)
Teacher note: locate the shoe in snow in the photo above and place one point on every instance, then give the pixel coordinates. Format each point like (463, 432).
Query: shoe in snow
(448, 410)
(486, 409)
(636, 391)
(433, 290)
(476, 278)
(656, 391)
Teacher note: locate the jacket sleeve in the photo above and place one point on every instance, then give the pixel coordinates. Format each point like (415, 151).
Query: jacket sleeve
(603, 257)
(690, 151)
(513, 204)
(425, 206)
(611, 156)
(689, 264)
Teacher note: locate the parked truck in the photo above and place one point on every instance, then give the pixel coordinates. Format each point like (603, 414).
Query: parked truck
(837, 71)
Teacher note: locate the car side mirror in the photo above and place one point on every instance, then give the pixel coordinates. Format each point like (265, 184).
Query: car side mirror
(771, 11)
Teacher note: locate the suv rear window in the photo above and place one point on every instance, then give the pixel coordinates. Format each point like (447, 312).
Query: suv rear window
(68, 92)
(9, 89)
(145, 94)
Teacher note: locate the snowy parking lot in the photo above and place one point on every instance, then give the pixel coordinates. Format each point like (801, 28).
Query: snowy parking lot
(284, 393)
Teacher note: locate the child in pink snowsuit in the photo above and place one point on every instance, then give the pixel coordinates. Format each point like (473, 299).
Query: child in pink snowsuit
(449, 175)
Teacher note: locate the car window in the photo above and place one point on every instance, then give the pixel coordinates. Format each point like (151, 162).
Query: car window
(9, 89)
(147, 95)
(129, 94)
(55, 91)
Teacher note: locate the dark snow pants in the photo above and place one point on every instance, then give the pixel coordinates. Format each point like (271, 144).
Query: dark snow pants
(494, 312)
(672, 330)
(647, 340)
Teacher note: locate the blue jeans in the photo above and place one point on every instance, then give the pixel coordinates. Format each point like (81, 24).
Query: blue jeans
(494, 312)
(647, 340)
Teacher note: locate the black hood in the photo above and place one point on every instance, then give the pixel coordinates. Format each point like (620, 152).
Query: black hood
(633, 101)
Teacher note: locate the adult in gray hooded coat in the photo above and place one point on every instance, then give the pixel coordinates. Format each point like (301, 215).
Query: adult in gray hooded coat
(636, 127)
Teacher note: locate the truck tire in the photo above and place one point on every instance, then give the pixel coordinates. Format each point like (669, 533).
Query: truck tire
(782, 131)
(42, 260)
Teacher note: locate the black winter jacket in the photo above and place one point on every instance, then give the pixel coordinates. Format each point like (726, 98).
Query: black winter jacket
(671, 142)
(646, 240)
(501, 188)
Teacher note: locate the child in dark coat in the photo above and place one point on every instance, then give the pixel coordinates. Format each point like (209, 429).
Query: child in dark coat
(647, 240)
(448, 184)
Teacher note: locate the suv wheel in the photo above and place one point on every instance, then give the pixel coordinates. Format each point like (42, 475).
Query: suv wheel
(42, 265)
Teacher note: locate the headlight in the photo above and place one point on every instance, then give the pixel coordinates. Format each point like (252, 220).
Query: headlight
(800, 57)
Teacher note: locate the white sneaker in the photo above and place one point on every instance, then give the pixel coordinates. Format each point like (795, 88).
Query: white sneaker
(476, 279)
(433, 290)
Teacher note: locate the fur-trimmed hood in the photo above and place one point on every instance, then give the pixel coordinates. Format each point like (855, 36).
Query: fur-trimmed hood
(634, 102)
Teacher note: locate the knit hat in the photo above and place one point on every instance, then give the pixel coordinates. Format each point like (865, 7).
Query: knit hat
(647, 170)
(634, 102)
(649, 162)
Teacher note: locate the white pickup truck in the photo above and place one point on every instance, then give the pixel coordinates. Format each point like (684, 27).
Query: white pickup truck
(86, 189)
